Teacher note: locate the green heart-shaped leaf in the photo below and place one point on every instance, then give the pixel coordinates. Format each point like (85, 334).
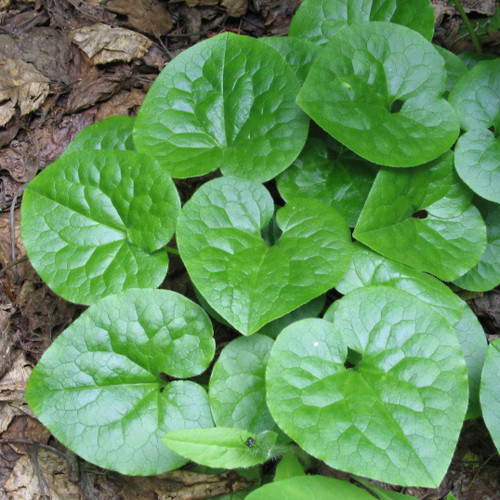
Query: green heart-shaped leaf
(392, 408)
(490, 395)
(101, 388)
(340, 179)
(221, 446)
(486, 274)
(248, 282)
(237, 388)
(477, 160)
(111, 133)
(423, 217)
(299, 54)
(377, 88)
(92, 223)
(370, 268)
(228, 103)
(289, 466)
(309, 488)
(319, 20)
(476, 96)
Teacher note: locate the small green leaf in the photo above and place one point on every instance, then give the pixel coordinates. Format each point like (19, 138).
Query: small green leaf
(227, 102)
(237, 389)
(309, 488)
(299, 54)
(341, 179)
(476, 96)
(309, 310)
(101, 388)
(370, 268)
(377, 88)
(490, 395)
(395, 415)
(477, 160)
(221, 447)
(318, 21)
(486, 274)
(92, 223)
(248, 282)
(455, 67)
(423, 217)
(289, 466)
(111, 133)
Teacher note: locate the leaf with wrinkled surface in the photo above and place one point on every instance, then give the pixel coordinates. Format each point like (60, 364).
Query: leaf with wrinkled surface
(422, 217)
(248, 282)
(221, 446)
(227, 102)
(341, 180)
(237, 388)
(490, 395)
(370, 268)
(377, 88)
(93, 223)
(111, 133)
(101, 388)
(486, 274)
(381, 391)
(319, 20)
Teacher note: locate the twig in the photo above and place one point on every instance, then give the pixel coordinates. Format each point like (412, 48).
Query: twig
(12, 264)
(470, 29)
(32, 443)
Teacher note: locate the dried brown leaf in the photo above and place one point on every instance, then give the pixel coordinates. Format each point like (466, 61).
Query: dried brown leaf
(235, 8)
(147, 16)
(104, 44)
(23, 85)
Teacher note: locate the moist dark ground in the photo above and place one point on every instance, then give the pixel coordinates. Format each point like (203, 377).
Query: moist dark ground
(59, 91)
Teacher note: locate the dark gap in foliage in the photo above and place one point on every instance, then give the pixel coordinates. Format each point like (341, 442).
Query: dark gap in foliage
(396, 106)
(353, 358)
(420, 214)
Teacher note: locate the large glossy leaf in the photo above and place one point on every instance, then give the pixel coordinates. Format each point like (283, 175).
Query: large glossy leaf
(228, 103)
(370, 268)
(339, 179)
(111, 133)
(490, 393)
(380, 392)
(377, 88)
(101, 388)
(309, 488)
(93, 222)
(423, 217)
(221, 446)
(299, 54)
(486, 274)
(319, 20)
(237, 389)
(245, 280)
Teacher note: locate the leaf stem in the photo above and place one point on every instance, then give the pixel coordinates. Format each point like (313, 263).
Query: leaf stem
(171, 250)
(473, 36)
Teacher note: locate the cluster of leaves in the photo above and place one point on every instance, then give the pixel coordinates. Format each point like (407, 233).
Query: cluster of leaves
(380, 385)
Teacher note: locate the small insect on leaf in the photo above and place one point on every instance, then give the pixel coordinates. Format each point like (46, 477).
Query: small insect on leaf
(250, 442)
